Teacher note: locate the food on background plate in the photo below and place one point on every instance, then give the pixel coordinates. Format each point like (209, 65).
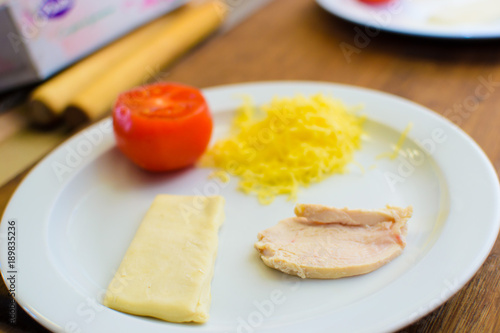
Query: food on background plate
(290, 142)
(167, 270)
(163, 126)
(328, 243)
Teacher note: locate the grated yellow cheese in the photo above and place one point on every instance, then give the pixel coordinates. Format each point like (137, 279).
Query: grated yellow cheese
(220, 174)
(288, 143)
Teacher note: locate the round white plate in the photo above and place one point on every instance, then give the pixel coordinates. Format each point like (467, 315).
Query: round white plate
(457, 19)
(77, 211)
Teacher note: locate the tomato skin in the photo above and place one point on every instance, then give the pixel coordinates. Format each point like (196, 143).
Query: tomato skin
(163, 126)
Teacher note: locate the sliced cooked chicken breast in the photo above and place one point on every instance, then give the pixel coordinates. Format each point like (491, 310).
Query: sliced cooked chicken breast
(328, 243)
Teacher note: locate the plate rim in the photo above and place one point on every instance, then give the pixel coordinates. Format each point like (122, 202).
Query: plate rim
(331, 9)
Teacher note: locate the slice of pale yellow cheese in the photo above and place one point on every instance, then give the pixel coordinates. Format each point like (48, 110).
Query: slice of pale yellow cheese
(167, 270)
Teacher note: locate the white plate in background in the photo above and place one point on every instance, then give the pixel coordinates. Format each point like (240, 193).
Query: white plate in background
(457, 19)
(78, 209)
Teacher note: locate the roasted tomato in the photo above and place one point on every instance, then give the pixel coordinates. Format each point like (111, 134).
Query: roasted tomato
(163, 126)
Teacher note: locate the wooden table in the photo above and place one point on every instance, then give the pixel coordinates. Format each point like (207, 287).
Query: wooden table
(296, 40)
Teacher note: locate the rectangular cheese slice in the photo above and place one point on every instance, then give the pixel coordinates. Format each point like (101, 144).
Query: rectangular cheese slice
(167, 270)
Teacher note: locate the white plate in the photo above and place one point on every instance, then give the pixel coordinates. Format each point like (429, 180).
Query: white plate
(77, 211)
(456, 19)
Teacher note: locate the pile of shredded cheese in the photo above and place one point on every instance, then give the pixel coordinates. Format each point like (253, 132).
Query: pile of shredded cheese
(288, 143)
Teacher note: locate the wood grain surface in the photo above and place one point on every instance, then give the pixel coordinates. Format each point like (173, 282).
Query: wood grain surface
(297, 40)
